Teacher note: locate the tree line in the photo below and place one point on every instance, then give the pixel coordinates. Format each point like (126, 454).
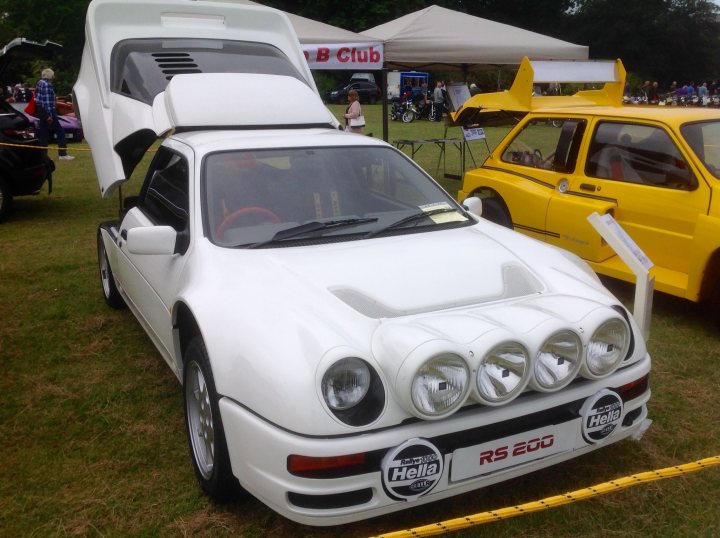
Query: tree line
(664, 40)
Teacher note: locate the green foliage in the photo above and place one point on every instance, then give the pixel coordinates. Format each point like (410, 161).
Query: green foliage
(324, 81)
(353, 16)
(543, 17)
(662, 40)
(62, 22)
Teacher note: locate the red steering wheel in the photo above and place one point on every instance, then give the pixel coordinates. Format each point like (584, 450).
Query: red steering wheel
(232, 217)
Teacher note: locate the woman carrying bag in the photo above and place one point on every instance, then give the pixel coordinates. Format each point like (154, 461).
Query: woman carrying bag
(354, 119)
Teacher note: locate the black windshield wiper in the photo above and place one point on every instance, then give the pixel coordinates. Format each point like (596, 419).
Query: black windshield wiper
(312, 227)
(410, 219)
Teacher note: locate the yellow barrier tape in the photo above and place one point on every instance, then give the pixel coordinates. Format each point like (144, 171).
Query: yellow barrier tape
(551, 502)
(74, 148)
(26, 146)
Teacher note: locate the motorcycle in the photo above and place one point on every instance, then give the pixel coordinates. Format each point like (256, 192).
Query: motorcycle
(408, 110)
(429, 110)
(403, 110)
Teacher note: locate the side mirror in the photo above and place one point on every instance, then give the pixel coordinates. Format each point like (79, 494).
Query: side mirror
(158, 240)
(474, 205)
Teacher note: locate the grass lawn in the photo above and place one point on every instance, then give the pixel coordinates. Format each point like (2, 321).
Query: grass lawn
(93, 439)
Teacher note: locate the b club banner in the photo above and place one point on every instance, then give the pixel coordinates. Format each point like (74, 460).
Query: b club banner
(356, 56)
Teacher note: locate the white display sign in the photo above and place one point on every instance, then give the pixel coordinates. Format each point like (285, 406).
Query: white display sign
(621, 234)
(359, 56)
(458, 94)
(636, 260)
(473, 133)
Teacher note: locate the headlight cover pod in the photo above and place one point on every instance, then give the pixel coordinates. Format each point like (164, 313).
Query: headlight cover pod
(433, 381)
(607, 348)
(558, 361)
(503, 373)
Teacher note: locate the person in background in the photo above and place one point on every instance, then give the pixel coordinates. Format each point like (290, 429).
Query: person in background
(407, 91)
(353, 111)
(645, 90)
(702, 90)
(554, 88)
(47, 114)
(20, 93)
(654, 93)
(439, 99)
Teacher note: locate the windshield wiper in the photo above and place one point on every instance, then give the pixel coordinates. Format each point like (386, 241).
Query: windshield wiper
(312, 227)
(409, 220)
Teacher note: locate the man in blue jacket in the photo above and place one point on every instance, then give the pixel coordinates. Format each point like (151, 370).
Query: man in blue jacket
(47, 114)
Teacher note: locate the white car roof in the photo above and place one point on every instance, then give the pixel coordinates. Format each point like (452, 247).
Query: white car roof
(135, 82)
(221, 140)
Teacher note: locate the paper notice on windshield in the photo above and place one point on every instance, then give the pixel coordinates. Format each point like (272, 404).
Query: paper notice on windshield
(440, 218)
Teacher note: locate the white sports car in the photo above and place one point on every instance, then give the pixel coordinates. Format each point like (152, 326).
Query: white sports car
(349, 339)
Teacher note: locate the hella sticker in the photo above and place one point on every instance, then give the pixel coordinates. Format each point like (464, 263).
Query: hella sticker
(412, 469)
(601, 414)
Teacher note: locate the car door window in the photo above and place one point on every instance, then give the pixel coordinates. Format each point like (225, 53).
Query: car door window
(635, 153)
(547, 143)
(164, 196)
(704, 139)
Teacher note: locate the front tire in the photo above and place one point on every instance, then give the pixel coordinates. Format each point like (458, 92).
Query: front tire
(203, 424)
(107, 279)
(494, 210)
(6, 199)
(408, 116)
(714, 306)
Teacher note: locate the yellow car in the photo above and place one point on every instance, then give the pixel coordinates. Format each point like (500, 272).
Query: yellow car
(655, 169)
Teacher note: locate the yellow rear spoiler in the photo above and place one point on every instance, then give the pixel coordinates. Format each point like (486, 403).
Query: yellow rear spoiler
(492, 108)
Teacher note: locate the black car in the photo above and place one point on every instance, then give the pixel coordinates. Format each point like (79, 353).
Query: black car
(24, 168)
(368, 92)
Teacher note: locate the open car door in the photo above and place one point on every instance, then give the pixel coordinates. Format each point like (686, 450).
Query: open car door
(134, 49)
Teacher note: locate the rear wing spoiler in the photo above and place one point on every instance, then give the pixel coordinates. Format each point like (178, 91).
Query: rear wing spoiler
(490, 108)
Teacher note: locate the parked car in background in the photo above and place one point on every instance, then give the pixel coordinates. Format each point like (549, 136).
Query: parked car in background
(288, 273)
(365, 77)
(69, 122)
(367, 91)
(656, 170)
(24, 168)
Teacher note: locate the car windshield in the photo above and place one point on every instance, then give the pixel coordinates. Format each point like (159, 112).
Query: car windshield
(276, 197)
(704, 139)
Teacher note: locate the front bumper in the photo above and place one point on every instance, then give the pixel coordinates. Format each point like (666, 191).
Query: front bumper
(259, 450)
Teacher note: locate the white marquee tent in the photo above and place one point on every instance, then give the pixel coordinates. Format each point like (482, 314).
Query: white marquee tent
(443, 39)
